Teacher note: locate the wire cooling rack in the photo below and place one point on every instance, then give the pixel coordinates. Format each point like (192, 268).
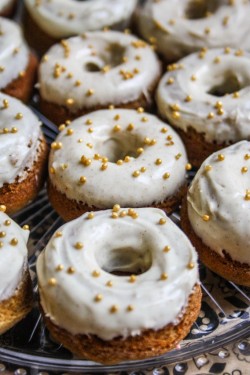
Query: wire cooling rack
(223, 319)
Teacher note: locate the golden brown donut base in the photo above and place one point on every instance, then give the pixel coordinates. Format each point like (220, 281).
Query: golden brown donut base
(59, 114)
(149, 344)
(197, 148)
(223, 266)
(70, 209)
(22, 87)
(18, 194)
(15, 308)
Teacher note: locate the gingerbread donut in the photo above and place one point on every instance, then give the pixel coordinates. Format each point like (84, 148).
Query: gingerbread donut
(116, 287)
(116, 156)
(180, 28)
(205, 97)
(86, 73)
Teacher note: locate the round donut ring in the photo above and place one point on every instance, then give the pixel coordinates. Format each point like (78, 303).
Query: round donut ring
(81, 293)
(208, 92)
(86, 73)
(64, 18)
(117, 156)
(180, 28)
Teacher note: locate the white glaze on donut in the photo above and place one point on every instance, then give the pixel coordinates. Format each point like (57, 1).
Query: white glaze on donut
(79, 292)
(14, 54)
(150, 176)
(20, 136)
(124, 69)
(184, 95)
(63, 18)
(219, 202)
(13, 255)
(176, 35)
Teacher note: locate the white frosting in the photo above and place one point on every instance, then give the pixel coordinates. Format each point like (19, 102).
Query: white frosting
(177, 36)
(116, 183)
(230, 120)
(122, 244)
(62, 18)
(14, 54)
(19, 140)
(4, 4)
(13, 258)
(220, 193)
(98, 50)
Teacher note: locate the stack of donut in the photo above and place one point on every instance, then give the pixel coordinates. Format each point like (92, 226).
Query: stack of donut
(120, 280)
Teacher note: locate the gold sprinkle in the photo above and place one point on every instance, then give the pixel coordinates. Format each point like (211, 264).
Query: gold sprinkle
(90, 92)
(14, 130)
(85, 161)
(170, 81)
(162, 221)
(239, 52)
(111, 107)
(227, 50)
(14, 241)
(140, 110)
(207, 30)
(78, 83)
(88, 122)
(178, 156)
(114, 309)
(220, 157)
(158, 162)
(70, 101)
(166, 249)
(220, 111)
(56, 145)
(123, 213)
(5, 104)
(143, 169)
(164, 276)
(109, 283)
(217, 60)
(119, 162)
(60, 267)
(52, 170)
(244, 170)
(190, 266)
(193, 78)
(98, 298)
(7, 223)
(127, 159)
(130, 127)
(26, 227)
(78, 245)
(140, 150)
(144, 119)
(188, 167)
(205, 217)
(210, 115)
(132, 279)
(188, 98)
(2, 68)
(114, 215)
(247, 156)
(236, 95)
(2, 208)
(71, 270)
(61, 127)
(116, 128)
(52, 281)
(2, 234)
(1, 244)
(130, 308)
(116, 208)
(90, 215)
(58, 234)
(117, 117)
(96, 273)
(247, 196)
(106, 69)
(104, 166)
(136, 174)
(208, 168)
(19, 116)
(166, 175)
(164, 130)
(176, 115)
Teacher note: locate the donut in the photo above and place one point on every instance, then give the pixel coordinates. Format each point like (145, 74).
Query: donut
(15, 287)
(7, 7)
(23, 154)
(205, 97)
(177, 29)
(116, 156)
(86, 73)
(49, 21)
(115, 288)
(216, 215)
(17, 64)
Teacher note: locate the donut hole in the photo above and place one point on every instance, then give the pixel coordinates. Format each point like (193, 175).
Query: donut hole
(92, 67)
(125, 261)
(197, 9)
(226, 84)
(118, 147)
(111, 56)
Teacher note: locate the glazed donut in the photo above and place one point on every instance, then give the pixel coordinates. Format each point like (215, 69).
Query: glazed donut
(217, 217)
(17, 64)
(180, 28)
(82, 74)
(116, 156)
(64, 18)
(23, 154)
(206, 98)
(15, 286)
(6, 7)
(141, 313)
